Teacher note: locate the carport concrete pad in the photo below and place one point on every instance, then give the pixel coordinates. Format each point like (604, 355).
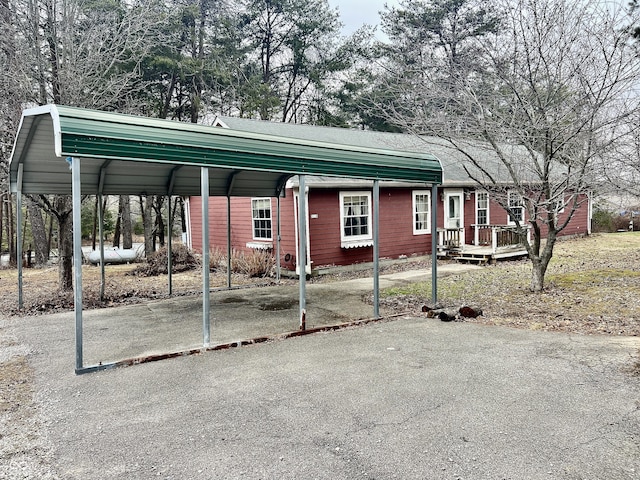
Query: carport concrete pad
(411, 398)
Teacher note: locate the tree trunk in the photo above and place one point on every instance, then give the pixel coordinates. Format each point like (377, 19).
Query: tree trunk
(183, 219)
(541, 262)
(146, 210)
(39, 232)
(159, 223)
(537, 276)
(65, 242)
(2, 197)
(127, 231)
(118, 228)
(49, 234)
(177, 203)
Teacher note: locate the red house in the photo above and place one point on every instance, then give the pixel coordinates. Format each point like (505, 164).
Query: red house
(339, 218)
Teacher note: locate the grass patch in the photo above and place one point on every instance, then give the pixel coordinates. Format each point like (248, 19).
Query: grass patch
(589, 278)
(592, 286)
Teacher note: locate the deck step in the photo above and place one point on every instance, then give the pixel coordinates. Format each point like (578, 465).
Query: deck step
(473, 258)
(482, 255)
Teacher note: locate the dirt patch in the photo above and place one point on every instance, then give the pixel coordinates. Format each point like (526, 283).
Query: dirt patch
(633, 366)
(122, 287)
(277, 304)
(24, 450)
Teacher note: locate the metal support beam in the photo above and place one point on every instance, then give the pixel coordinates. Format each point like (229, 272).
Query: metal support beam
(228, 241)
(302, 250)
(204, 189)
(376, 249)
(434, 243)
(77, 256)
(278, 238)
(169, 246)
(19, 235)
(101, 245)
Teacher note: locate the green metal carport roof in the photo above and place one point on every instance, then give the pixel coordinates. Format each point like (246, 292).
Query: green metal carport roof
(124, 154)
(64, 150)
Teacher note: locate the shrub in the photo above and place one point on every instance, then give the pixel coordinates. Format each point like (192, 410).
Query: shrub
(182, 260)
(257, 263)
(603, 221)
(218, 260)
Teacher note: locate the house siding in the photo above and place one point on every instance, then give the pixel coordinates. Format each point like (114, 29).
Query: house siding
(241, 225)
(396, 237)
(579, 223)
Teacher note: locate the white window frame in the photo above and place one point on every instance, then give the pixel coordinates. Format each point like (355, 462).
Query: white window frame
(427, 196)
(510, 221)
(356, 240)
(254, 219)
(486, 195)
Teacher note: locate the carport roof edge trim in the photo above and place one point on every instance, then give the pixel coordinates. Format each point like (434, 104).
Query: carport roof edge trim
(95, 134)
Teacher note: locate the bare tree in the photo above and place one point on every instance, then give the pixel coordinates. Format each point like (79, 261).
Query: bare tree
(124, 214)
(82, 54)
(38, 232)
(146, 211)
(550, 95)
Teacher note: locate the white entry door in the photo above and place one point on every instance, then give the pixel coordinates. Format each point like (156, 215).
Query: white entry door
(454, 211)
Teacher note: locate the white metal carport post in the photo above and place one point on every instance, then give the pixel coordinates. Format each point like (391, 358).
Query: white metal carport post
(434, 243)
(376, 249)
(19, 234)
(204, 193)
(302, 250)
(77, 255)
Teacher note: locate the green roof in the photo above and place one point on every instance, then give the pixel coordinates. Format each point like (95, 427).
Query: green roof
(124, 154)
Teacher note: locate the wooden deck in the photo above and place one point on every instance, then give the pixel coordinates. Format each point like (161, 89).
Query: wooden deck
(474, 254)
(491, 243)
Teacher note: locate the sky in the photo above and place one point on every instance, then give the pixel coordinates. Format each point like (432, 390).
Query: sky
(355, 13)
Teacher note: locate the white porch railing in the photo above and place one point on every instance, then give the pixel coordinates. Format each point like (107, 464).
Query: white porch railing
(497, 236)
(450, 238)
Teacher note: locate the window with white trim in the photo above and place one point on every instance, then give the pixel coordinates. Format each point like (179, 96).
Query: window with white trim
(421, 212)
(355, 218)
(261, 215)
(482, 208)
(516, 207)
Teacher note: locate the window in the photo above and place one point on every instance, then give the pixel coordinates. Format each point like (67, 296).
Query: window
(261, 214)
(355, 218)
(516, 208)
(421, 215)
(482, 208)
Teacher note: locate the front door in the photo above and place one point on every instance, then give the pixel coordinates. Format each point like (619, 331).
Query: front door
(454, 211)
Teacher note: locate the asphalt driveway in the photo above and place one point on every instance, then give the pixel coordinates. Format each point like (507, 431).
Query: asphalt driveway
(408, 398)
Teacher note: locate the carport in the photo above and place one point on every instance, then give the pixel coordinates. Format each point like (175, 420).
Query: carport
(65, 150)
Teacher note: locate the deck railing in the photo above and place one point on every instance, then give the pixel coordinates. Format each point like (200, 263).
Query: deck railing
(497, 236)
(450, 238)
